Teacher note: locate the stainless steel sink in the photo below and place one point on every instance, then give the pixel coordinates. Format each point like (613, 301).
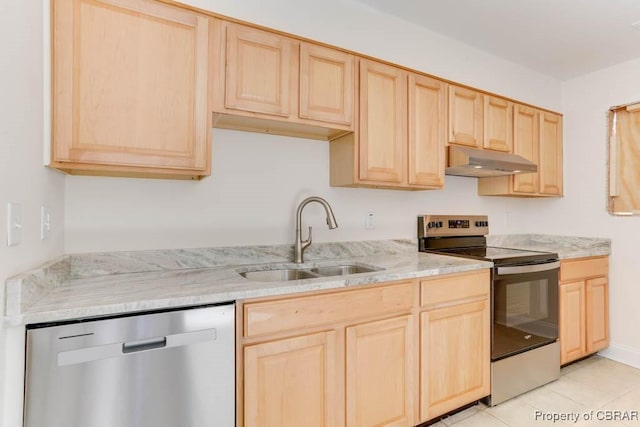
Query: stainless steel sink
(285, 274)
(277, 275)
(341, 270)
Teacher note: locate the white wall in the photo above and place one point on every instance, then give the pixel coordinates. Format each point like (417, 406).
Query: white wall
(258, 180)
(583, 210)
(251, 198)
(23, 179)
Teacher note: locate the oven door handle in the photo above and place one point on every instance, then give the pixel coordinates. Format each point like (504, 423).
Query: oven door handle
(533, 268)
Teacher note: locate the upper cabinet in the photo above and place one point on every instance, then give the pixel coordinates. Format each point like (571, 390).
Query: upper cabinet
(259, 71)
(327, 78)
(538, 138)
(465, 116)
(400, 138)
(480, 121)
(130, 89)
(550, 155)
(427, 131)
(526, 145)
(270, 83)
(383, 117)
(137, 86)
(498, 124)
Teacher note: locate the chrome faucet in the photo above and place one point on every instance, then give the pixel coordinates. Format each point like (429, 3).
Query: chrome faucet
(300, 244)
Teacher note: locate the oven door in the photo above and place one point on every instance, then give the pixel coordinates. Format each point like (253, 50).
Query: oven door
(525, 308)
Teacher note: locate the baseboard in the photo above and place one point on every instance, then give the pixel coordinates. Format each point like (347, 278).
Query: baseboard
(623, 354)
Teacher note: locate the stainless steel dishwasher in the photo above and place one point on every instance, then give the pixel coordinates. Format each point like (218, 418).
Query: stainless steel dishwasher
(165, 369)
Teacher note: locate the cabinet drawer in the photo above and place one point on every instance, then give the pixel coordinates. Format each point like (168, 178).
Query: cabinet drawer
(584, 268)
(275, 316)
(454, 287)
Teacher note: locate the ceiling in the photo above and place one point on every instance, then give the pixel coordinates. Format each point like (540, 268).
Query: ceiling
(560, 38)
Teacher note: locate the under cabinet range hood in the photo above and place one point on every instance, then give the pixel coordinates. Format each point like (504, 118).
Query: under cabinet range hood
(466, 161)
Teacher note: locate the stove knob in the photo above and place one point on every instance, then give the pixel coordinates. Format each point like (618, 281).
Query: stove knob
(439, 225)
(431, 224)
(478, 223)
(486, 223)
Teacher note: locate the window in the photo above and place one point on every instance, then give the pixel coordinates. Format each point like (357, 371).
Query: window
(624, 160)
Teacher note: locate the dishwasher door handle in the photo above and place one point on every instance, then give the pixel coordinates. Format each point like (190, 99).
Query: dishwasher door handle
(108, 351)
(142, 345)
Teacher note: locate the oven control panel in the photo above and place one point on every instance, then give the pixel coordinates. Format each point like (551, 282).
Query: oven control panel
(452, 225)
(458, 223)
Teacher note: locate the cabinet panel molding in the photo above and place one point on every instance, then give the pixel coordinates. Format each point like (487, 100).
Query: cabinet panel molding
(327, 79)
(258, 71)
(379, 381)
(525, 144)
(537, 136)
(130, 89)
(465, 116)
(550, 166)
(427, 131)
(581, 268)
(584, 307)
(498, 124)
(390, 366)
(292, 382)
(597, 314)
(455, 357)
(295, 313)
(435, 292)
(572, 322)
(382, 123)
(400, 135)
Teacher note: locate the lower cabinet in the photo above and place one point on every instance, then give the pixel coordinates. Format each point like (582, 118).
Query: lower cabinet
(455, 369)
(454, 344)
(379, 372)
(584, 307)
(292, 382)
(374, 356)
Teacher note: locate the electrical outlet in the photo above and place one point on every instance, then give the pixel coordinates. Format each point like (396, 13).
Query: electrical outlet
(45, 223)
(14, 224)
(370, 221)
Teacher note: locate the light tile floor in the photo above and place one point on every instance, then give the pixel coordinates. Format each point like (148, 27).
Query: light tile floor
(596, 387)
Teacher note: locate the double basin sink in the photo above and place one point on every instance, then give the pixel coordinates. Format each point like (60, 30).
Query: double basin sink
(285, 274)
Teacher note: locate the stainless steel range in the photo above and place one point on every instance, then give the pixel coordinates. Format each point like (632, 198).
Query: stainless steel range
(525, 352)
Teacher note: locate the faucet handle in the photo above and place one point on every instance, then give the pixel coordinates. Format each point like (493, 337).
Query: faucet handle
(308, 241)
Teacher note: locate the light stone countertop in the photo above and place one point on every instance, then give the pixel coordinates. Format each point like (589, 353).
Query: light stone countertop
(566, 247)
(88, 285)
(131, 292)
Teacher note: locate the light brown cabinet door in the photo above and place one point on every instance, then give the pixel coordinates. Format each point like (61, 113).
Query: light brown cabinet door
(327, 81)
(293, 382)
(130, 86)
(455, 357)
(379, 381)
(427, 131)
(259, 71)
(597, 314)
(498, 124)
(465, 116)
(525, 144)
(572, 322)
(550, 165)
(383, 112)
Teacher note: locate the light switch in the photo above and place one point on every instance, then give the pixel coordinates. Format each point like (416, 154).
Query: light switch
(14, 224)
(370, 221)
(45, 223)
